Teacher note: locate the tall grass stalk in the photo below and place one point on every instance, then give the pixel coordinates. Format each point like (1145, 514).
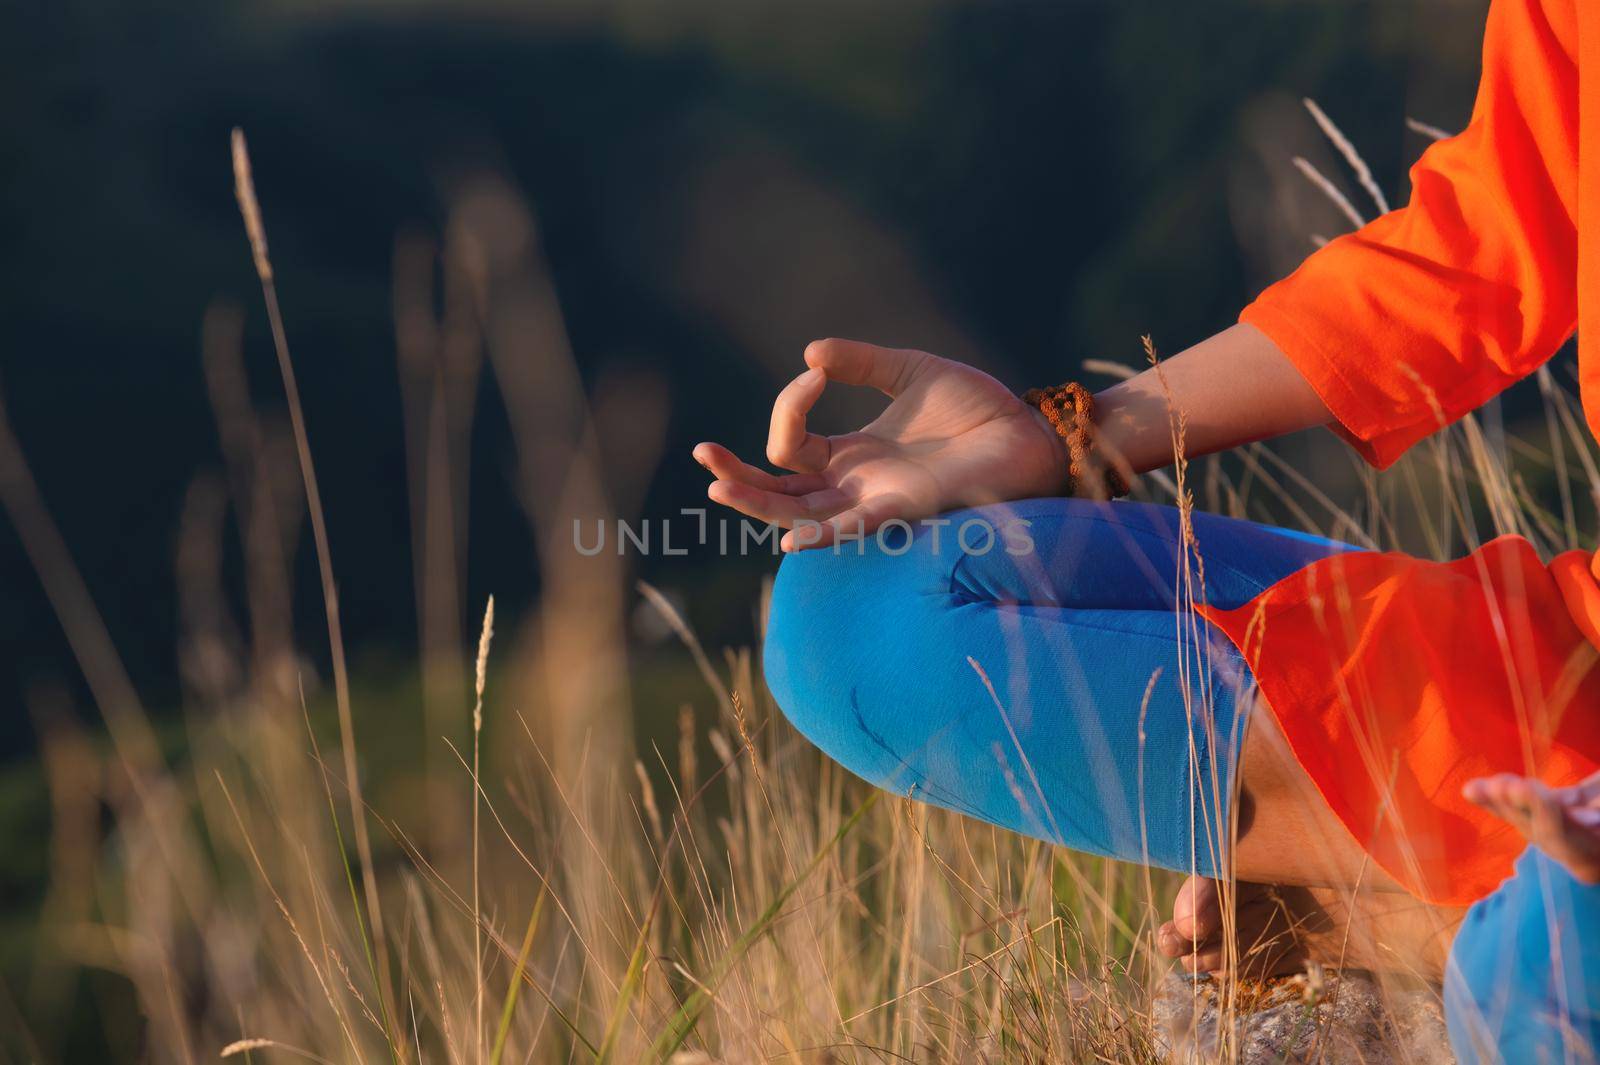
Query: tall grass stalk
(255, 230)
(481, 674)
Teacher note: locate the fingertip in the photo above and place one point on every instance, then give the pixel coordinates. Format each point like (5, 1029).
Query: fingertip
(805, 535)
(1493, 789)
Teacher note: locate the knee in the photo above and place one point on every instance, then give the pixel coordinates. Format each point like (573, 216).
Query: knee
(836, 629)
(814, 618)
(791, 634)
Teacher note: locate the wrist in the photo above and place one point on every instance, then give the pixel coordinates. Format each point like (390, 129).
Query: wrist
(1057, 479)
(1069, 410)
(1120, 435)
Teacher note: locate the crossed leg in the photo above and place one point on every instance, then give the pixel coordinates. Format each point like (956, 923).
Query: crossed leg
(1045, 673)
(1064, 691)
(1037, 665)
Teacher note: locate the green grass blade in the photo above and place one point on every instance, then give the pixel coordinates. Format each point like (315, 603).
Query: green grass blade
(561, 1015)
(350, 880)
(630, 984)
(510, 1007)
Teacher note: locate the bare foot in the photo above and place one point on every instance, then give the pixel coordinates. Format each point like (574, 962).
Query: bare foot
(1564, 823)
(1271, 928)
(1277, 930)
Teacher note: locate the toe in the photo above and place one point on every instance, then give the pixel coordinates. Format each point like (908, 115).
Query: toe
(1197, 910)
(1172, 944)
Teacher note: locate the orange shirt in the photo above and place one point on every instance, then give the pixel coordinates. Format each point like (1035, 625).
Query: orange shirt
(1394, 679)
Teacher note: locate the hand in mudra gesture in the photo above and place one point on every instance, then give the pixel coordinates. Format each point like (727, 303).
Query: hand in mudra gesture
(952, 436)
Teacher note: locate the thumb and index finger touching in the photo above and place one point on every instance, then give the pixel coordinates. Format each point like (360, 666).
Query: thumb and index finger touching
(790, 444)
(854, 362)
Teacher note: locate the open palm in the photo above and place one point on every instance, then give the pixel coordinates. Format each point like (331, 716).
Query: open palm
(952, 436)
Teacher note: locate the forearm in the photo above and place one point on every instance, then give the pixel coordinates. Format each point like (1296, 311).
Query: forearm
(1234, 388)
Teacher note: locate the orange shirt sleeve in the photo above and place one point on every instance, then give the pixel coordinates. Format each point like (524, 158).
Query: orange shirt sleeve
(1432, 309)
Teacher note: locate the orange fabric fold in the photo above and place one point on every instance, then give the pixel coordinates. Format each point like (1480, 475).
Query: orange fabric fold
(1576, 573)
(1429, 311)
(1396, 680)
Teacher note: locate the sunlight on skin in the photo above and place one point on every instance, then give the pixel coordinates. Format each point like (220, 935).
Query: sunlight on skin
(952, 436)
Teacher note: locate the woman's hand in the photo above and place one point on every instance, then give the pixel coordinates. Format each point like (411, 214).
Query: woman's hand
(952, 436)
(1562, 822)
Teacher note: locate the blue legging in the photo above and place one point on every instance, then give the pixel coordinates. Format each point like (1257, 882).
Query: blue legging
(1523, 981)
(883, 652)
(1034, 665)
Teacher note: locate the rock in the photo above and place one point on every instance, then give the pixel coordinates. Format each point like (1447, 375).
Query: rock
(1343, 1018)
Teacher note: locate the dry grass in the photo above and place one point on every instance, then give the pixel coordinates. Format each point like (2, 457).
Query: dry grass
(558, 895)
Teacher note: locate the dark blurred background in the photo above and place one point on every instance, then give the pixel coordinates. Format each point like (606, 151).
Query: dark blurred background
(713, 184)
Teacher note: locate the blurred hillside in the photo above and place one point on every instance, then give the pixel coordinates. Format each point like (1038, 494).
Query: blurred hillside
(1018, 185)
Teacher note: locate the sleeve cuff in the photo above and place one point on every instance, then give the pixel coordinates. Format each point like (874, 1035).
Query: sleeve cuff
(1366, 422)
